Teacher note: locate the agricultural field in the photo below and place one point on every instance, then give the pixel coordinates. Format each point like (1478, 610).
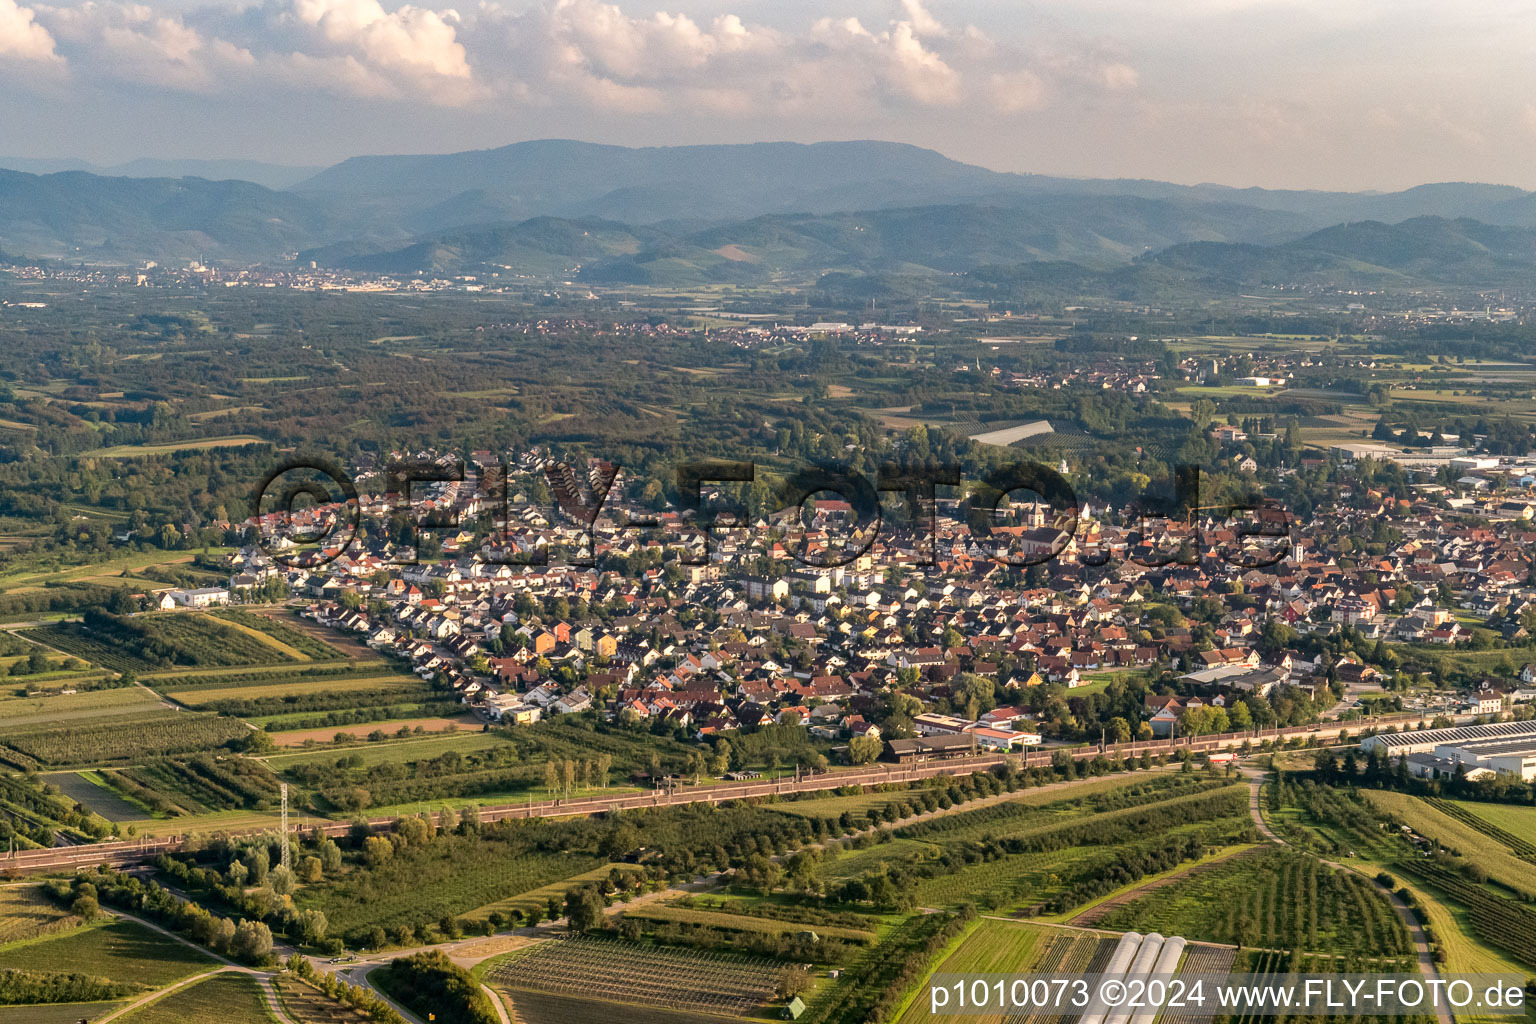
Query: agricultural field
(288, 639)
(626, 972)
(402, 752)
(130, 451)
(55, 708)
(1496, 861)
(1493, 919)
(420, 886)
(1009, 947)
(200, 784)
(688, 916)
(26, 914)
(296, 688)
(544, 1008)
(60, 1013)
(255, 675)
(1452, 928)
(119, 738)
(1277, 898)
(856, 862)
(221, 999)
(160, 640)
(90, 790)
(1518, 823)
(306, 1004)
(120, 950)
(38, 814)
(299, 737)
(543, 894)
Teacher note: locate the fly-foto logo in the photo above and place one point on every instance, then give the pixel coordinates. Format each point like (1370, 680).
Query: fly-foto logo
(309, 512)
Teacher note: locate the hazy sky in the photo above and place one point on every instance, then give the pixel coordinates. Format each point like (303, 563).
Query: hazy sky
(1293, 93)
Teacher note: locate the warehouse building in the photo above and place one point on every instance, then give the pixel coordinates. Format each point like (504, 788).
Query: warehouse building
(1479, 750)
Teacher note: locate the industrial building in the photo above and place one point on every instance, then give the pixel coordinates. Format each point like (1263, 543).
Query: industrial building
(1478, 750)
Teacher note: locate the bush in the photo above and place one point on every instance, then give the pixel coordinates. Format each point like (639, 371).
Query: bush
(431, 983)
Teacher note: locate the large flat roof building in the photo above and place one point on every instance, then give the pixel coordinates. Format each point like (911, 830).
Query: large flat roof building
(1505, 747)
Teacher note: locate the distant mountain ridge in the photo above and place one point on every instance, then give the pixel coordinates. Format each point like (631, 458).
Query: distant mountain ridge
(565, 178)
(267, 175)
(1370, 253)
(755, 212)
(78, 215)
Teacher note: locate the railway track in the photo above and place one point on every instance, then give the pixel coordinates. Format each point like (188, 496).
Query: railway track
(118, 854)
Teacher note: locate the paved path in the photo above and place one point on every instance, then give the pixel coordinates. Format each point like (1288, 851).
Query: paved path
(1427, 966)
(152, 996)
(263, 978)
(496, 1003)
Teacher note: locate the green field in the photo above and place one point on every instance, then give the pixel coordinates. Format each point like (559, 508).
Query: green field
(744, 923)
(121, 737)
(74, 706)
(1495, 860)
(201, 697)
(60, 1013)
(1517, 821)
(25, 913)
(90, 791)
(120, 950)
(542, 895)
(160, 641)
(382, 753)
(221, 999)
(859, 803)
(420, 886)
(1277, 898)
(996, 947)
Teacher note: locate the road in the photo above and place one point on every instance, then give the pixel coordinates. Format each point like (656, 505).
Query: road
(135, 851)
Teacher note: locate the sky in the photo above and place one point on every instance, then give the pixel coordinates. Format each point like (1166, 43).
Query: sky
(1335, 94)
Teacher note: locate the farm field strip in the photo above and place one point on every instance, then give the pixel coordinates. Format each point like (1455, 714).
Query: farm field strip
(61, 707)
(265, 638)
(25, 913)
(99, 798)
(544, 893)
(325, 734)
(744, 922)
(1519, 822)
(826, 806)
(217, 1000)
(630, 972)
(1499, 863)
(381, 753)
(198, 698)
(120, 950)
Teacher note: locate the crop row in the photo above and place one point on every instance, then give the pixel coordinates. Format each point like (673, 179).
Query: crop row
(1521, 848)
(200, 784)
(629, 972)
(1495, 920)
(124, 738)
(283, 633)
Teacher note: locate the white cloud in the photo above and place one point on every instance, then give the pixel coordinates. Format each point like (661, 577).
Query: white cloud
(21, 37)
(412, 39)
(1015, 92)
(923, 23)
(584, 53)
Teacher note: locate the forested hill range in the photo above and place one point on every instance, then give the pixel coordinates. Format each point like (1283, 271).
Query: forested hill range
(772, 212)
